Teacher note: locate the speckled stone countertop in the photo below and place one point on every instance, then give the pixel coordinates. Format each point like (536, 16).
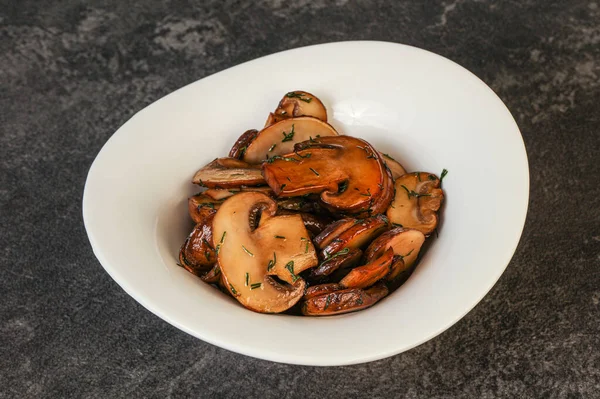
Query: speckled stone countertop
(72, 72)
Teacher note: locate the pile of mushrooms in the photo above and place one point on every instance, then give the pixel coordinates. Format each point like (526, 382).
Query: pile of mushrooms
(303, 220)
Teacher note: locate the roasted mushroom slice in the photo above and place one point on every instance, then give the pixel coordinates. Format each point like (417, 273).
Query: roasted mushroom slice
(201, 206)
(279, 138)
(347, 172)
(221, 193)
(405, 243)
(369, 274)
(332, 231)
(298, 204)
(298, 103)
(242, 143)
(251, 257)
(343, 301)
(357, 236)
(321, 289)
(213, 276)
(344, 259)
(314, 223)
(228, 173)
(395, 167)
(416, 202)
(197, 254)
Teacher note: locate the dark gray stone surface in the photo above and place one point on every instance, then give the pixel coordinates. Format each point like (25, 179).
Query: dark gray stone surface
(72, 72)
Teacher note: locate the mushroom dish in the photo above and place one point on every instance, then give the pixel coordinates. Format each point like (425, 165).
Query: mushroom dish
(301, 219)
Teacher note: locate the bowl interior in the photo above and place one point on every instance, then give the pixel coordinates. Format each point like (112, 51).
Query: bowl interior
(422, 109)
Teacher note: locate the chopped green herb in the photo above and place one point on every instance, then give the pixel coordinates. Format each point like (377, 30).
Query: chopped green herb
(272, 262)
(335, 255)
(388, 156)
(207, 255)
(314, 171)
(255, 285)
(327, 302)
(276, 157)
(290, 267)
(207, 204)
(283, 186)
(412, 193)
(408, 254)
(432, 177)
(306, 249)
(444, 173)
(397, 225)
(272, 147)
(243, 150)
(246, 250)
(308, 154)
(288, 179)
(418, 175)
(293, 94)
(380, 186)
(288, 136)
(368, 194)
(359, 301)
(233, 291)
(223, 237)
(247, 278)
(282, 237)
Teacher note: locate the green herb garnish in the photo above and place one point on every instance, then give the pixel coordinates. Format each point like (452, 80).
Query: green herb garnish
(293, 94)
(314, 171)
(247, 278)
(233, 291)
(282, 237)
(327, 302)
(444, 173)
(255, 285)
(412, 193)
(248, 252)
(272, 147)
(288, 136)
(223, 237)
(290, 267)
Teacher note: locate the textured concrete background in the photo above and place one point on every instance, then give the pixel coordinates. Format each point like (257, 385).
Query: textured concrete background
(72, 72)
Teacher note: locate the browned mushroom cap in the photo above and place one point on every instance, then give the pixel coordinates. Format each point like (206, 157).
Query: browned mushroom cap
(332, 231)
(279, 138)
(228, 173)
(201, 206)
(343, 301)
(298, 103)
(357, 236)
(369, 274)
(347, 172)
(299, 204)
(197, 253)
(249, 256)
(220, 193)
(344, 259)
(395, 167)
(242, 143)
(406, 243)
(416, 202)
(321, 289)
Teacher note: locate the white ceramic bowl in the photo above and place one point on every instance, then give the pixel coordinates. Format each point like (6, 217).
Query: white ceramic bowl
(425, 110)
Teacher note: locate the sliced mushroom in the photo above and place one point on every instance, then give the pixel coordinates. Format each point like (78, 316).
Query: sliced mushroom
(369, 274)
(299, 204)
(298, 103)
(398, 266)
(416, 202)
(406, 243)
(358, 236)
(332, 231)
(197, 253)
(279, 138)
(248, 257)
(321, 289)
(228, 173)
(395, 167)
(313, 223)
(344, 259)
(213, 276)
(220, 193)
(343, 301)
(347, 172)
(201, 206)
(242, 143)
